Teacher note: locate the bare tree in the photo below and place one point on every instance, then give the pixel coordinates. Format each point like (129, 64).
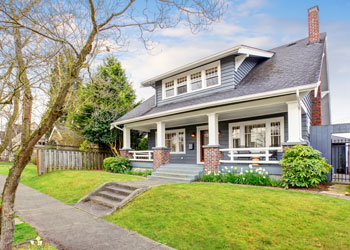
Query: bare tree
(75, 30)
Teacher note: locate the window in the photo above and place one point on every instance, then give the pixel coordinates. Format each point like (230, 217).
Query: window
(196, 81)
(175, 140)
(182, 85)
(203, 77)
(169, 89)
(236, 137)
(275, 134)
(255, 136)
(257, 133)
(211, 76)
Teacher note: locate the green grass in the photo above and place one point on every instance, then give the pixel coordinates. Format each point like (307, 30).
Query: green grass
(67, 186)
(347, 189)
(221, 216)
(24, 232)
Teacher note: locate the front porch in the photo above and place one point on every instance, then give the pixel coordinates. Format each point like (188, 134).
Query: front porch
(232, 135)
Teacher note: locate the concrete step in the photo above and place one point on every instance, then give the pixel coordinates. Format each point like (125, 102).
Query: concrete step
(93, 208)
(121, 187)
(185, 171)
(170, 179)
(118, 190)
(112, 195)
(104, 201)
(182, 168)
(175, 175)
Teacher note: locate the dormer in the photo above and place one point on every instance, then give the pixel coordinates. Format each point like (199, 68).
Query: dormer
(205, 76)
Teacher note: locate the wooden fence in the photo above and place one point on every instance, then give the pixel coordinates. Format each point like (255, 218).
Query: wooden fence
(49, 160)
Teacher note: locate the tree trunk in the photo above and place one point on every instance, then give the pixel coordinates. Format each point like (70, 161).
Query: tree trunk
(113, 149)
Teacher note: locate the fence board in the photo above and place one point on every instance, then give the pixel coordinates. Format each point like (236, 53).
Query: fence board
(58, 159)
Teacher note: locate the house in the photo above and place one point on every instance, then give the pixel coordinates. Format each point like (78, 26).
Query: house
(64, 137)
(238, 107)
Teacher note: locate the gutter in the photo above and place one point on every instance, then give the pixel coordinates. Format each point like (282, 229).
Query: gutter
(273, 93)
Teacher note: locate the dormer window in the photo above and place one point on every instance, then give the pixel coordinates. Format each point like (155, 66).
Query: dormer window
(182, 85)
(211, 76)
(203, 77)
(196, 81)
(169, 89)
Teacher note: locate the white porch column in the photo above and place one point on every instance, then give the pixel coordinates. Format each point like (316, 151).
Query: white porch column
(126, 138)
(160, 143)
(213, 127)
(294, 122)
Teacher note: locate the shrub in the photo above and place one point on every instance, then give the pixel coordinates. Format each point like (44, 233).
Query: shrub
(141, 173)
(117, 164)
(258, 176)
(303, 166)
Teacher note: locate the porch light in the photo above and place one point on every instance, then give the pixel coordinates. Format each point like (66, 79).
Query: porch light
(193, 135)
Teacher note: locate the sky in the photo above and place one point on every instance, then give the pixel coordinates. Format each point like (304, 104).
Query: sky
(263, 24)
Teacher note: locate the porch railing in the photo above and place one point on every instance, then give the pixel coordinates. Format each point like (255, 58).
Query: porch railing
(146, 155)
(252, 155)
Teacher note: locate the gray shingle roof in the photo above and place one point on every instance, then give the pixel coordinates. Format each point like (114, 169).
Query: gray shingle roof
(294, 64)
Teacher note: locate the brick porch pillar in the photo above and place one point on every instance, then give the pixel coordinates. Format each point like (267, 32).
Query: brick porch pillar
(125, 153)
(212, 157)
(161, 155)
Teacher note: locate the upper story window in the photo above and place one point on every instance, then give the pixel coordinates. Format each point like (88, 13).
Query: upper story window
(211, 76)
(194, 80)
(169, 89)
(182, 85)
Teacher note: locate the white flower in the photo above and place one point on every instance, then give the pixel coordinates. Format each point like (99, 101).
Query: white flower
(226, 167)
(251, 171)
(32, 242)
(38, 238)
(250, 166)
(40, 243)
(246, 171)
(264, 177)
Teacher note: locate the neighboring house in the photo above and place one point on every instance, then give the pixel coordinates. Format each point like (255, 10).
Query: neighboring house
(237, 107)
(14, 144)
(64, 137)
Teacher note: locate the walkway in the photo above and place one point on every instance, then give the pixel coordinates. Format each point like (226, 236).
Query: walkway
(69, 228)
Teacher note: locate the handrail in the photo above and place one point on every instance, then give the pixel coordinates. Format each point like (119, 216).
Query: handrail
(233, 154)
(142, 155)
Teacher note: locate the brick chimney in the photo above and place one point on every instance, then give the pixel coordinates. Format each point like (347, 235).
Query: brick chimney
(314, 33)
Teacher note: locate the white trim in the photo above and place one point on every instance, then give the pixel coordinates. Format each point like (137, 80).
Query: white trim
(188, 75)
(240, 49)
(221, 102)
(177, 131)
(239, 60)
(126, 138)
(267, 123)
(198, 142)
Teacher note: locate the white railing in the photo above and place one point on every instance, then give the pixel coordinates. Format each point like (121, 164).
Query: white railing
(255, 155)
(146, 155)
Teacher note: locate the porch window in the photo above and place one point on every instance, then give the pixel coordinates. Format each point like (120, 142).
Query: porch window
(236, 137)
(196, 81)
(275, 134)
(169, 89)
(175, 140)
(255, 136)
(257, 133)
(182, 85)
(212, 76)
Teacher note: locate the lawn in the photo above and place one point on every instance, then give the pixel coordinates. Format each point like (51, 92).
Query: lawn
(224, 216)
(67, 186)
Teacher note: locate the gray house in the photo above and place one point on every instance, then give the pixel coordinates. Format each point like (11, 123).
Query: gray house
(238, 107)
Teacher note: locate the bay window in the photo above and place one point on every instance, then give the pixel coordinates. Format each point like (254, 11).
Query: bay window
(257, 133)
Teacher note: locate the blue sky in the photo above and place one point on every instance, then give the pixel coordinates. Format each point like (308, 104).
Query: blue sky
(260, 23)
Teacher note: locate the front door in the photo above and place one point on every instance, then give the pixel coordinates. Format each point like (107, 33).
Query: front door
(204, 140)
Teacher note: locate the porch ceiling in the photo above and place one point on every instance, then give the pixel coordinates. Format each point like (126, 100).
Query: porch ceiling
(228, 112)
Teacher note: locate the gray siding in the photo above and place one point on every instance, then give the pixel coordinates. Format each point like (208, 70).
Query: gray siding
(229, 78)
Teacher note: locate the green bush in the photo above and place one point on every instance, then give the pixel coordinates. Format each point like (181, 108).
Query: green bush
(257, 176)
(141, 173)
(303, 166)
(117, 164)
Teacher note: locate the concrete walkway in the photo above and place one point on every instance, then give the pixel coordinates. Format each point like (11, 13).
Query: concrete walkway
(69, 228)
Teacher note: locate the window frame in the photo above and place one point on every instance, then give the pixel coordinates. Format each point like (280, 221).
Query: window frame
(177, 131)
(188, 74)
(267, 123)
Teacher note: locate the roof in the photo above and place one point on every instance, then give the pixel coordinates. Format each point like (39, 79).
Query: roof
(293, 65)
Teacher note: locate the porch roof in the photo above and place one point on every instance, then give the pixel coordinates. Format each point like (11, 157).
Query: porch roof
(294, 66)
